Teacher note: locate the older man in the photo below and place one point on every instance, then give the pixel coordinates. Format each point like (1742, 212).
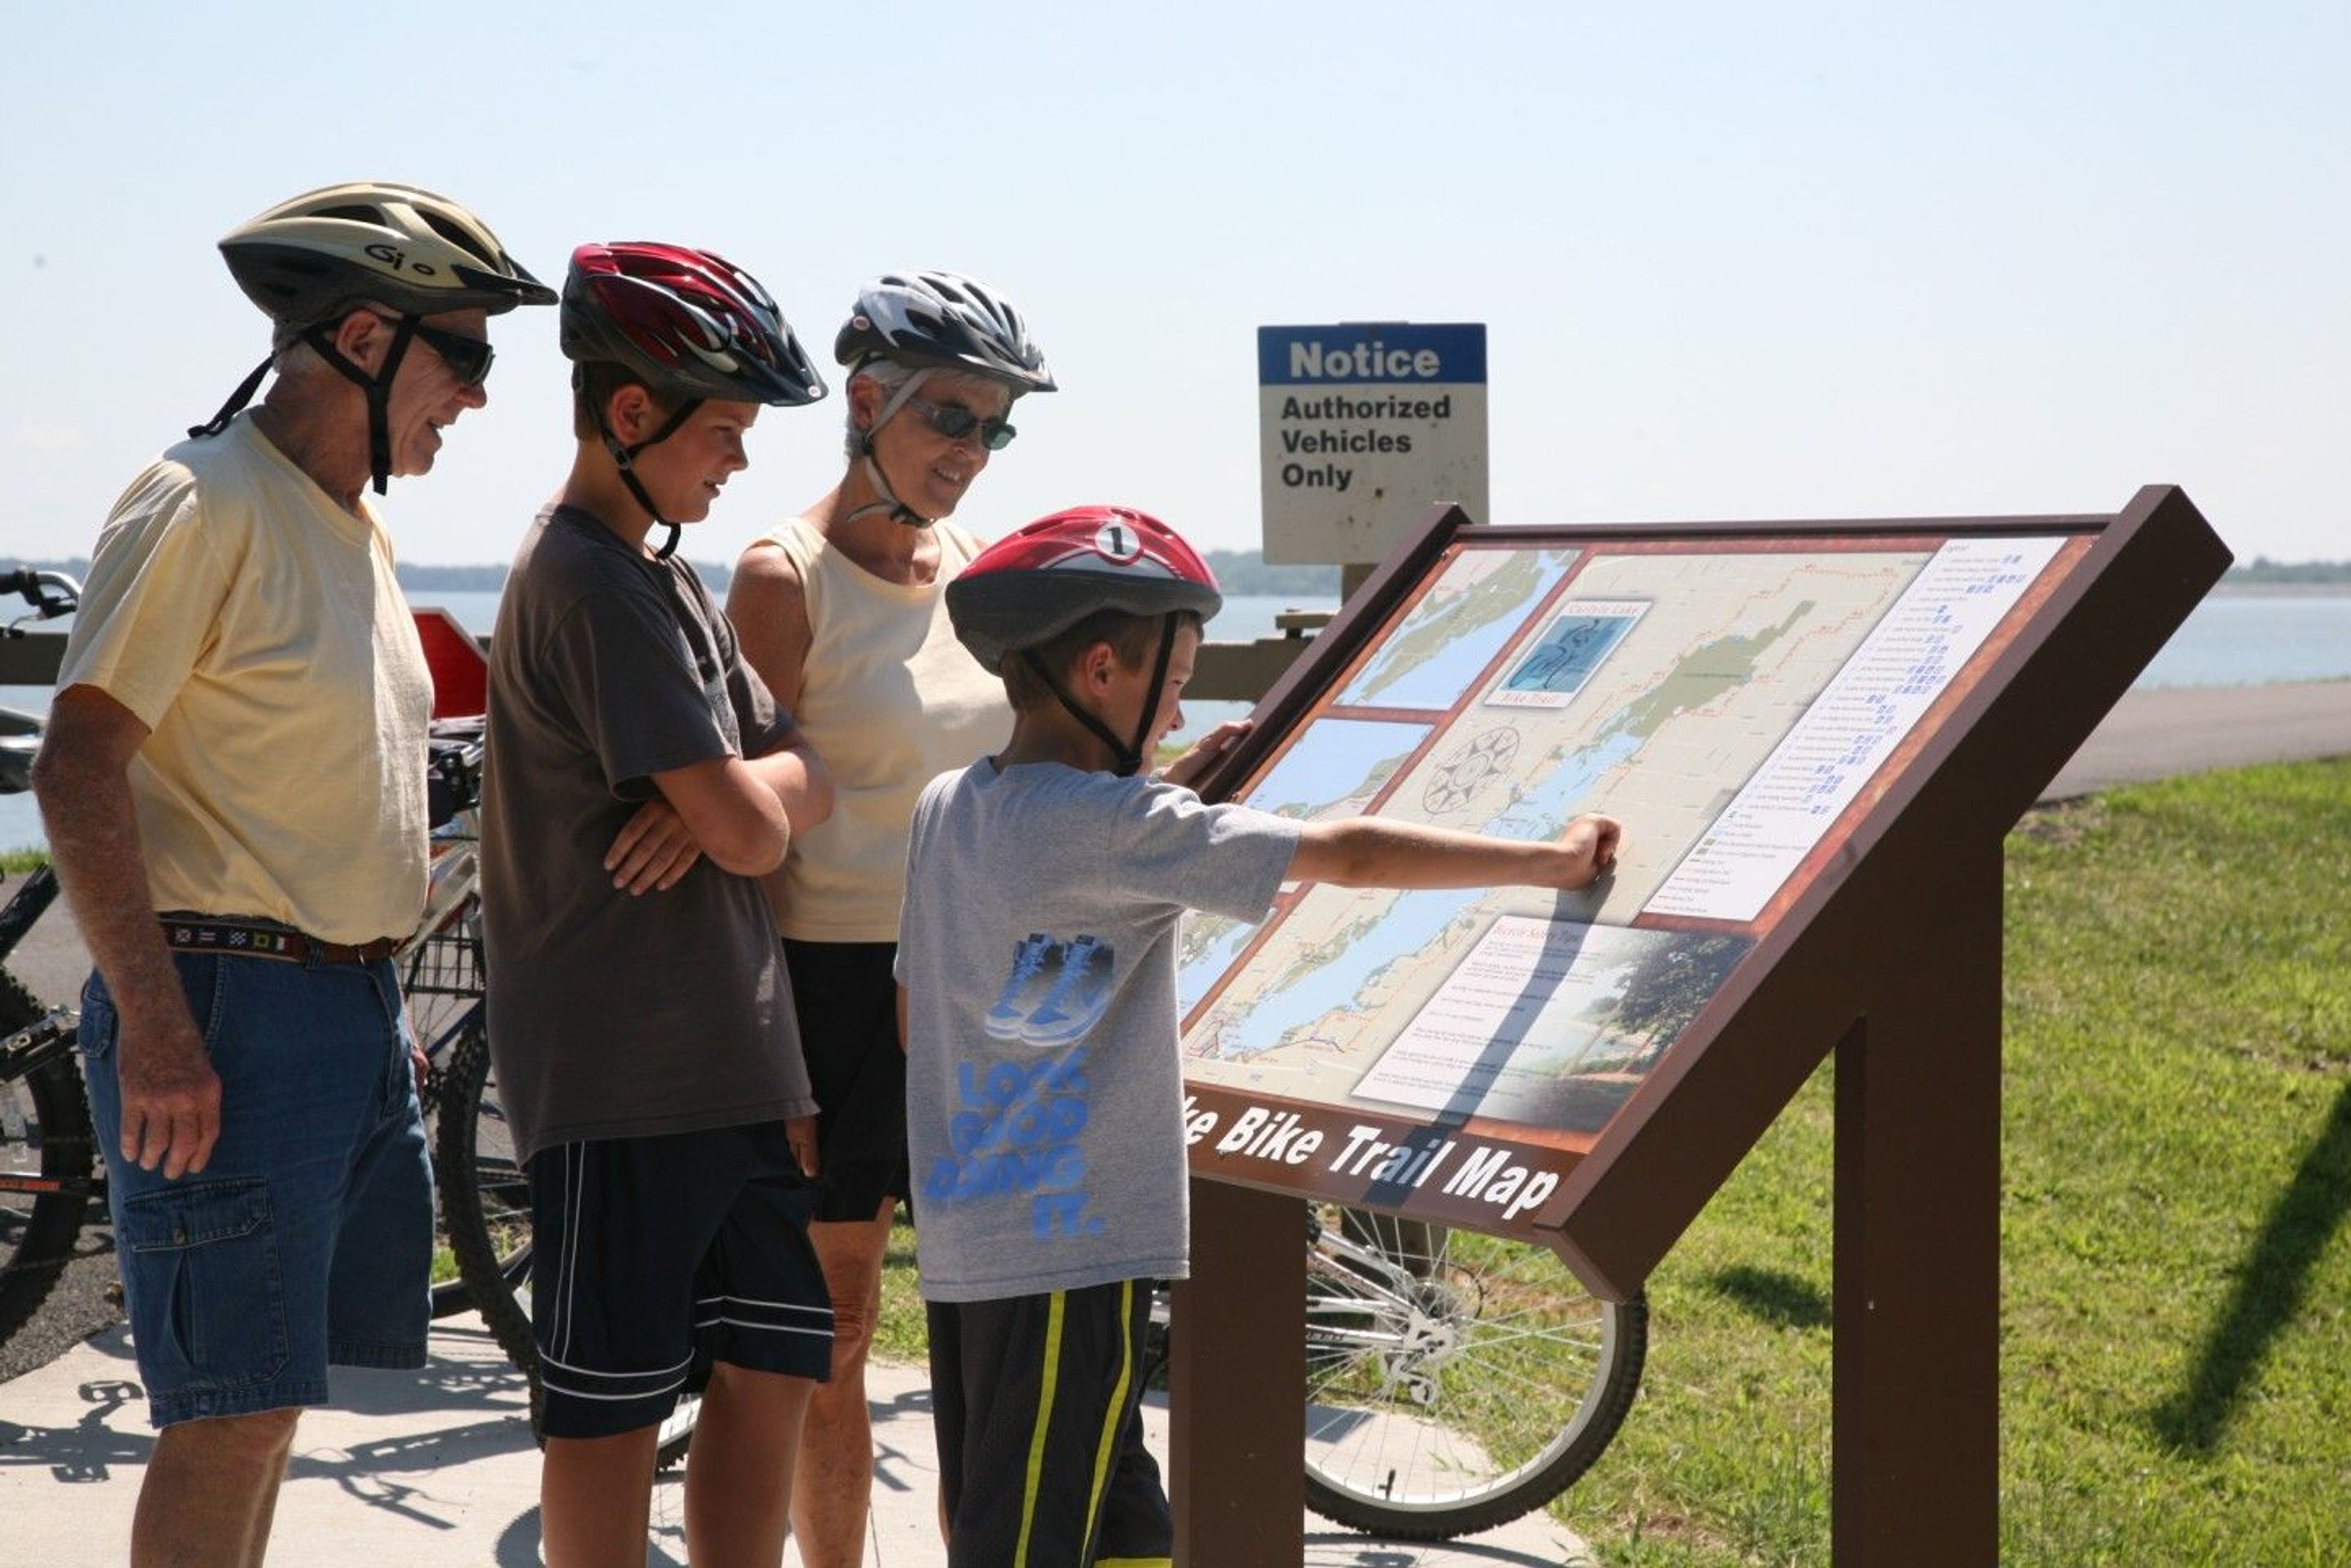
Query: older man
(234, 788)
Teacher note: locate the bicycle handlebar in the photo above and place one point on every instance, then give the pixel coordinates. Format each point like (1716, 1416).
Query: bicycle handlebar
(50, 594)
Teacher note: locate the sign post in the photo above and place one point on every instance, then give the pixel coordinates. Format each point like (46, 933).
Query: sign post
(1363, 426)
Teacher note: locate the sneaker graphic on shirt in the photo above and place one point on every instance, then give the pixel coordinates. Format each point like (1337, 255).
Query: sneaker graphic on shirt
(1023, 986)
(1080, 994)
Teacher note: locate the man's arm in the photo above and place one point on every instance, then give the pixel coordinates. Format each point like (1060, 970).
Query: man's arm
(1373, 852)
(171, 1096)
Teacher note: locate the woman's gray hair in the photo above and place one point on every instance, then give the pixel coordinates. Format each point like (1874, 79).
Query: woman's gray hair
(887, 374)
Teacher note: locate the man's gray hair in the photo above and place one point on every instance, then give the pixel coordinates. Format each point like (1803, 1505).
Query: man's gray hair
(292, 355)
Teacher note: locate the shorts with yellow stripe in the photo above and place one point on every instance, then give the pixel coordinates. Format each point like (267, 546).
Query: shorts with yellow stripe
(1037, 1402)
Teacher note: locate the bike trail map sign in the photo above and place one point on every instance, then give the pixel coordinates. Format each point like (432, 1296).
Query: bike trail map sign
(1736, 701)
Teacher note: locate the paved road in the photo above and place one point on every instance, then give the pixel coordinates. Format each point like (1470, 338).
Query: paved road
(2194, 729)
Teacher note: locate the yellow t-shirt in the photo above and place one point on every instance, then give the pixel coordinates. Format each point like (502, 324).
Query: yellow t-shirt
(257, 631)
(890, 700)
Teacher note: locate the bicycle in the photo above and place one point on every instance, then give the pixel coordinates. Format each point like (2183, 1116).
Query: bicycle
(51, 1175)
(1454, 1381)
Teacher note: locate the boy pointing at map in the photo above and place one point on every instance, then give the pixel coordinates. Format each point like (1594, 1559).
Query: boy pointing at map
(1037, 963)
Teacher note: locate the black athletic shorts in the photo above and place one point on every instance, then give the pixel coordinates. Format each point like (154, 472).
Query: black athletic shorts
(847, 1001)
(1037, 1403)
(651, 1258)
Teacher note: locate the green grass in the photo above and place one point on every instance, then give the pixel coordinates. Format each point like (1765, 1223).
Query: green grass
(13, 862)
(2175, 1318)
(2176, 1341)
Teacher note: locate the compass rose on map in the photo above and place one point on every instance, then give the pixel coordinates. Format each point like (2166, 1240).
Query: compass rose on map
(1469, 770)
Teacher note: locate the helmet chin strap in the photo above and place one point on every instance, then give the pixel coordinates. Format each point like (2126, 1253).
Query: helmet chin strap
(624, 459)
(1128, 754)
(377, 387)
(899, 511)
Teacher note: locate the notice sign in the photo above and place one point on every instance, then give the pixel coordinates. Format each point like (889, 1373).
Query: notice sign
(1364, 426)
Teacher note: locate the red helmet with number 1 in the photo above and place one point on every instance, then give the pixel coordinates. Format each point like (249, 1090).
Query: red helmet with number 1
(1036, 583)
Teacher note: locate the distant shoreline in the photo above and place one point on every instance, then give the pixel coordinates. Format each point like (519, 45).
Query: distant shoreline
(1246, 572)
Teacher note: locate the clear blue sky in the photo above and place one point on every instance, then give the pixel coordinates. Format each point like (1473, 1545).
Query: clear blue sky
(1735, 261)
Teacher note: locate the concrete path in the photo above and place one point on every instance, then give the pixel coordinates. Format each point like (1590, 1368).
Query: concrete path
(437, 1468)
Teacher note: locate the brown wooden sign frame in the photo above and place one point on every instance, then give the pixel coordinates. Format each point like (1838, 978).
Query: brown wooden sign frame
(1888, 952)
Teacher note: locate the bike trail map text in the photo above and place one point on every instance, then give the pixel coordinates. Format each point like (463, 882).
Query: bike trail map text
(1453, 1053)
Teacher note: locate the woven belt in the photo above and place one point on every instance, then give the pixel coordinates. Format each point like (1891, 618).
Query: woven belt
(257, 939)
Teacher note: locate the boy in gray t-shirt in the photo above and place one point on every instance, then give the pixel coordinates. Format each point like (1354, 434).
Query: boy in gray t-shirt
(1037, 963)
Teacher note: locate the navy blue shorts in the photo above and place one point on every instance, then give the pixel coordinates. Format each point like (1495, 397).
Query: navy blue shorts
(846, 998)
(653, 1257)
(1037, 1403)
(307, 1240)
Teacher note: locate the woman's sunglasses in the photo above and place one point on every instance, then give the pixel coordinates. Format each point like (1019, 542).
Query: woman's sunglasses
(956, 423)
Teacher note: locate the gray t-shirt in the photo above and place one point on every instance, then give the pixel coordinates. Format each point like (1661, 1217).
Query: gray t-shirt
(611, 1015)
(1044, 1098)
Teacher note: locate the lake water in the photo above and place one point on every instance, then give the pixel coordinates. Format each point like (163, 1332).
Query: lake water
(2230, 640)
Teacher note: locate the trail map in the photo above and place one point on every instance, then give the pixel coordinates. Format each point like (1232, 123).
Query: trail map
(1726, 704)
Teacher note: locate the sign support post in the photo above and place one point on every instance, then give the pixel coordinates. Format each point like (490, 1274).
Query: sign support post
(1915, 1428)
(1235, 1424)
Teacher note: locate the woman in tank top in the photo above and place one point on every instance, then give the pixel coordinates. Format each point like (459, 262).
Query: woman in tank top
(841, 611)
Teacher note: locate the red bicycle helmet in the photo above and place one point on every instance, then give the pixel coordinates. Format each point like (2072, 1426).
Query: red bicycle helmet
(1034, 584)
(692, 324)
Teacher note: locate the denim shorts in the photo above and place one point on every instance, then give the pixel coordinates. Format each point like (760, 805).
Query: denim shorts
(308, 1237)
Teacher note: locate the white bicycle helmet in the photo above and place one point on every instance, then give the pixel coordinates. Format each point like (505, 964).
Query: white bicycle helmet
(314, 258)
(927, 321)
(311, 261)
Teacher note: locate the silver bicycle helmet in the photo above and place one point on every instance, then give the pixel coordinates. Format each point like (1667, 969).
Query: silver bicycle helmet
(942, 321)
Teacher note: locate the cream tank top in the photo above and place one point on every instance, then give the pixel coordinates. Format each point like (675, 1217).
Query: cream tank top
(890, 700)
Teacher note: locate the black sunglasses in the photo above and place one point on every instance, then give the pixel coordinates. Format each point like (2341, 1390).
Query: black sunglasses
(956, 423)
(468, 358)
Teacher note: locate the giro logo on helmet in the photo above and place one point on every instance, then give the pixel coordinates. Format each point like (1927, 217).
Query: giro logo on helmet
(398, 260)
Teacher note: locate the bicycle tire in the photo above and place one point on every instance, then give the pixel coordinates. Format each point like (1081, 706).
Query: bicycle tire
(44, 1131)
(484, 1198)
(441, 982)
(1455, 1381)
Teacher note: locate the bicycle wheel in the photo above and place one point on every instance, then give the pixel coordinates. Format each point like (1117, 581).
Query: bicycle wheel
(485, 1196)
(1454, 1381)
(45, 1138)
(441, 982)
